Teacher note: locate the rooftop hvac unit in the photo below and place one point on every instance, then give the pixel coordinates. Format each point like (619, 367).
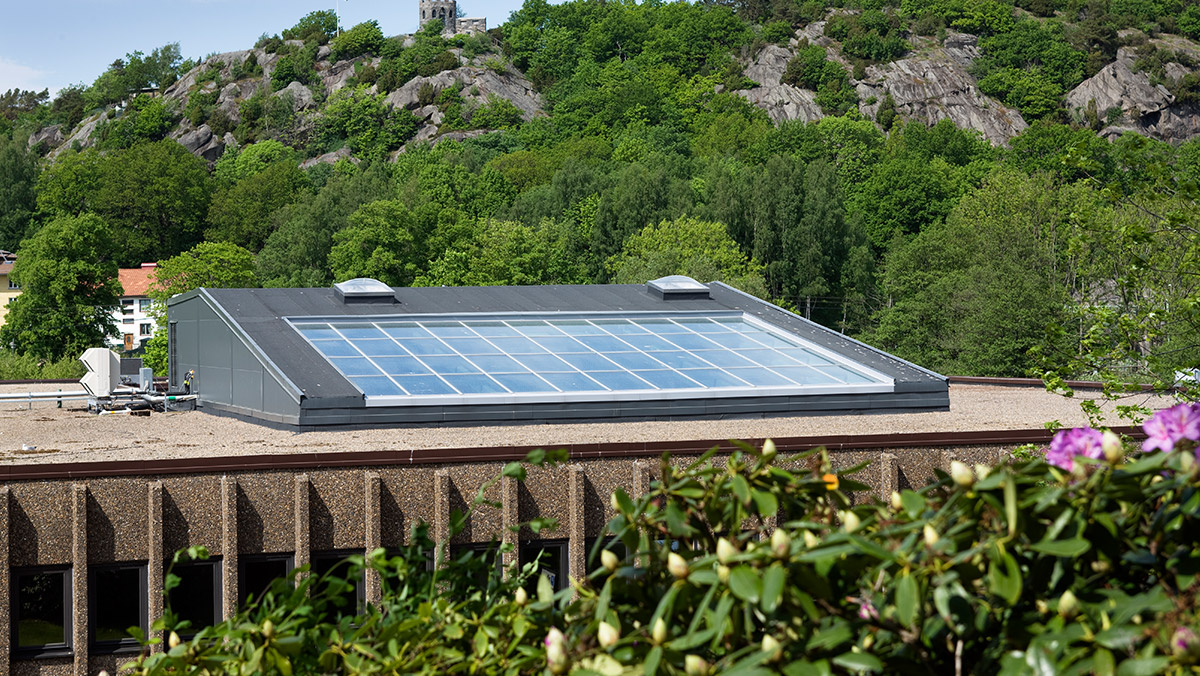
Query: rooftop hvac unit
(104, 371)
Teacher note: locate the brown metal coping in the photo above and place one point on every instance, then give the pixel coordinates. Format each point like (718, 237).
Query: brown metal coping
(297, 461)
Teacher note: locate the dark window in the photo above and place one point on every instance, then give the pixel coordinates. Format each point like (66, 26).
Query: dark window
(258, 572)
(335, 564)
(118, 602)
(42, 621)
(197, 598)
(551, 558)
(145, 329)
(490, 551)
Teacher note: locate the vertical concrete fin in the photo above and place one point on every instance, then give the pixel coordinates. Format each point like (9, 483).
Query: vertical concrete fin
(641, 479)
(5, 592)
(510, 516)
(577, 528)
(154, 556)
(303, 550)
(79, 578)
(373, 534)
(889, 475)
(441, 510)
(229, 546)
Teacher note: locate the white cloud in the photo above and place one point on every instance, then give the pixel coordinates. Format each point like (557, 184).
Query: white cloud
(17, 76)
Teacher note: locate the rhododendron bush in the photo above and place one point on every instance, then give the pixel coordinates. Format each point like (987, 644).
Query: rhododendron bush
(1084, 561)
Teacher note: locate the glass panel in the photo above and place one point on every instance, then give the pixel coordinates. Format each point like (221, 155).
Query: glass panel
(478, 384)
(634, 360)
(760, 377)
(661, 326)
(346, 602)
(734, 340)
(497, 364)
(427, 346)
(517, 345)
(589, 362)
(405, 331)
(357, 332)
(605, 343)
(519, 382)
(376, 386)
(561, 344)
(579, 328)
(679, 359)
(844, 374)
(257, 576)
(472, 346)
(42, 613)
(619, 380)
(693, 341)
(424, 385)
(542, 363)
(572, 382)
(767, 357)
(621, 327)
(355, 366)
(118, 601)
(448, 329)
(195, 599)
(317, 331)
(378, 348)
(667, 380)
(713, 378)
(407, 366)
(805, 356)
(647, 342)
(492, 329)
(335, 348)
(702, 325)
(723, 358)
(534, 328)
(805, 375)
(449, 365)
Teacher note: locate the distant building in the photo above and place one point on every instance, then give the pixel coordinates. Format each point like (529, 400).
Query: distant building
(132, 316)
(8, 288)
(446, 11)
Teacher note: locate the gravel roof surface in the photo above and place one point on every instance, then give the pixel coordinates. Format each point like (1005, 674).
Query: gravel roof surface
(71, 434)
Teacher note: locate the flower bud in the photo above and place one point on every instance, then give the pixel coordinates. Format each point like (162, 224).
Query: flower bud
(677, 565)
(614, 503)
(768, 450)
(268, 629)
(982, 471)
(1068, 605)
(173, 640)
(1185, 644)
(659, 633)
(725, 550)
(694, 665)
(850, 521)
(723, 574)
(931, 535)
(962, 475)
(608, 635)
(609, 560)
(811, 541)
(1101, 566)
(556, 651)
(1114, 450)
(781, 543)
(897, 503)
(772, 648)
(1042, 606)
(520, 597)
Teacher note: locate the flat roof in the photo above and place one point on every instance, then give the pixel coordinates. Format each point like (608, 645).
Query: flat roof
(72, 435)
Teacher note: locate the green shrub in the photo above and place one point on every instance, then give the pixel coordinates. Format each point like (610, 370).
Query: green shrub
(269, 43)
(145, 120)
(778, 32)
(15, 366)
(810, 69)
(296, 67)
(365, 38)
(319, 26)
(199, 106)
(497, 113)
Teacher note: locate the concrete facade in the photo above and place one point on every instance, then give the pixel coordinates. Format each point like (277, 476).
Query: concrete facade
(77, 523)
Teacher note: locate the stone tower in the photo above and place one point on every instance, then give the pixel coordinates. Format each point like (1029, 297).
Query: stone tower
(445, 11)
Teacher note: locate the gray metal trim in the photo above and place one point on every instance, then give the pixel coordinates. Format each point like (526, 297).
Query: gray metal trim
(288, 386)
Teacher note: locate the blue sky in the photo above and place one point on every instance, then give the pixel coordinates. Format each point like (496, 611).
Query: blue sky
(57, 43)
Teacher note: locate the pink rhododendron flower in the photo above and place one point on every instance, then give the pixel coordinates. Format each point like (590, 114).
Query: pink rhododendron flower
(1068, 444)
(1170, 426)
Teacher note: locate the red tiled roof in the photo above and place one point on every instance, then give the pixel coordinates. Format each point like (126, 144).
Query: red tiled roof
(135, 281)
(6, 268)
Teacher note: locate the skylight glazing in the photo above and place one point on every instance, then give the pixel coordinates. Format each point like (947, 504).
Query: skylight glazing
(514, 358)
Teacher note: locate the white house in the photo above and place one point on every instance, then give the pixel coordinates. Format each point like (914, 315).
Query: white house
(132, 316)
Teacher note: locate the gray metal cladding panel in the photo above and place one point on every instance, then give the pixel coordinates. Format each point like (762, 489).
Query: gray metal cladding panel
(276, 400)
(214, 384)
(247, 388)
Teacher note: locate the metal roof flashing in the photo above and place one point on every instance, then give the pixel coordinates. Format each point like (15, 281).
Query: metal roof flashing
(677, 287)
(364, 290)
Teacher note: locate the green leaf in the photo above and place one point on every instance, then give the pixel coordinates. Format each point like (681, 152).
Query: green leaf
(772, 587)
(1065, 548)
(624, 504)
(741, 488)
(481, 642)
(913, 502)
(1004, 578)
(766, 503)
(806, 668)
(514, 470)
(545, 590)
(677, 521)
(1010, 505)
(1143, 666)
(858, 662)
(830, 637)
(745, 584)
(907, 598)
(603, 600)
(650, 666)
(1120, 637)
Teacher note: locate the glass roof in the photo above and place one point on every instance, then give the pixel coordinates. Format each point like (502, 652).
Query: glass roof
(460, 359)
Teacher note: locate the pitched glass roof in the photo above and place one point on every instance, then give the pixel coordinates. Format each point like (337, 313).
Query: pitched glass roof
(577, 357)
